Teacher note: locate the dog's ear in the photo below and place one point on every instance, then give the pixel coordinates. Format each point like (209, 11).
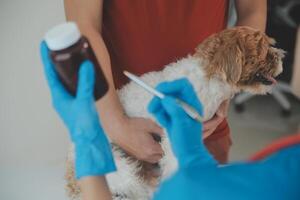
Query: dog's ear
(226, 62)
(223, 55)
(271, 41)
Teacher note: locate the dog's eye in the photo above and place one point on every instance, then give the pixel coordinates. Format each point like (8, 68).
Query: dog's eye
(258, 75)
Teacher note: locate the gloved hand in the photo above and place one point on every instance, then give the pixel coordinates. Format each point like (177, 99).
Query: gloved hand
(277, 177)
(93, 154)
(184, 132)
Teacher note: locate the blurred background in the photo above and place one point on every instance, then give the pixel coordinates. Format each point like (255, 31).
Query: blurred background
(33, 141)
(255, 121)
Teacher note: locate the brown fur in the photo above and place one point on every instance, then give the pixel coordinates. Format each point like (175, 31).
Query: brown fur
(234, 55)
(148, 172)
(237, 54)
(72, 187)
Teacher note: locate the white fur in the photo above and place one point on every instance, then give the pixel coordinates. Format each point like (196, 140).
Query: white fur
(135, 101)
(124, 181)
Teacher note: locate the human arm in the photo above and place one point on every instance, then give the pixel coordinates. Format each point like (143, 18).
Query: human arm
(276, 177)
(134, 135)
(252, 13)
(93, 156)
(199, 176)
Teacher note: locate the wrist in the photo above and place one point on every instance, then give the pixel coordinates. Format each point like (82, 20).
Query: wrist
(85, 136)
(94, 158)
(112, 117)
(116, 126)
(118, 129)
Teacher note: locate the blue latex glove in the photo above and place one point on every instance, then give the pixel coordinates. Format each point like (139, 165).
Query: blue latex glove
(277, 177)
(93, 154)
(185, 133)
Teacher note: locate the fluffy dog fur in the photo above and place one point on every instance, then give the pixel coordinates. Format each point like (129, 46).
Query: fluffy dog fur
(234, 60)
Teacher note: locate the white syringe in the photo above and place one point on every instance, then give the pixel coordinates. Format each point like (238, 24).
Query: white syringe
(186, 107)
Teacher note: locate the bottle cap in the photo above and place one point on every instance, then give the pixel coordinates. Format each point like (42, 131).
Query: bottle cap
(62, 36)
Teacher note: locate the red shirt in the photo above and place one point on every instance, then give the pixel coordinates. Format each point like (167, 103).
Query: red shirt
(146, 35)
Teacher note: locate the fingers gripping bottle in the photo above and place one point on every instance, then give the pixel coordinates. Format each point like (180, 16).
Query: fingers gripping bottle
(68, 49)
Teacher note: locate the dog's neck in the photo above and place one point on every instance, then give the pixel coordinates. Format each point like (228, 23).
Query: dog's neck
(211, 91)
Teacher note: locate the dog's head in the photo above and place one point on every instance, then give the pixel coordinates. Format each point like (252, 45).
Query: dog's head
(243, 57)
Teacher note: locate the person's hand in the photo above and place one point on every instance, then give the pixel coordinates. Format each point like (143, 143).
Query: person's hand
(211, 125)
(92, 149)
(137, 138)
(183, 131)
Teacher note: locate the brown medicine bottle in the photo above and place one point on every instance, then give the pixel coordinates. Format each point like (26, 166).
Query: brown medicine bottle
(68, 49)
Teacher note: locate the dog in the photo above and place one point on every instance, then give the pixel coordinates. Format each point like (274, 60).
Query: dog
(233, 60)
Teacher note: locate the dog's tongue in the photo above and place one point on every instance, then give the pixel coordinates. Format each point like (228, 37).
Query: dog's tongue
(273, 80)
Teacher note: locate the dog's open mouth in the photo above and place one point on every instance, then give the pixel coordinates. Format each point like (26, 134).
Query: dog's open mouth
(265, 79)
(270, 80)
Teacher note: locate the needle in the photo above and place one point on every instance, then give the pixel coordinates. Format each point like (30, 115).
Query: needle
(186, 107)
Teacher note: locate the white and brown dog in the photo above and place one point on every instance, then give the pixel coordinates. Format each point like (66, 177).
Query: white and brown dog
(234, 60)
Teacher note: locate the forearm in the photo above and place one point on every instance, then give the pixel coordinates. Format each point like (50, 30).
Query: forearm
(109, 107)
(252, 13)
(93, 156)
(88, 16)
(94, 188)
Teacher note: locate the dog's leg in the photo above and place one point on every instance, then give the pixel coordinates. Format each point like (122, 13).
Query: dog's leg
(125, 183)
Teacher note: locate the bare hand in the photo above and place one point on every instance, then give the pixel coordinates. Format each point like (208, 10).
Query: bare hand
(136, 138)
(210, 126)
